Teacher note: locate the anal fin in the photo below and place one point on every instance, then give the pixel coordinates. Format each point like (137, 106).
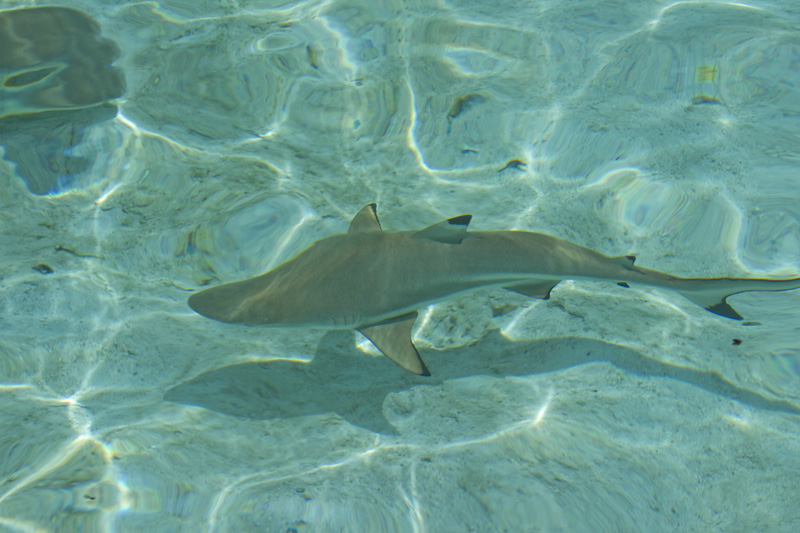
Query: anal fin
(540, 289)
(393, 339)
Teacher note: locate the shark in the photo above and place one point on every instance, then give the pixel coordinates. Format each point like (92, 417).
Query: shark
(375, 281)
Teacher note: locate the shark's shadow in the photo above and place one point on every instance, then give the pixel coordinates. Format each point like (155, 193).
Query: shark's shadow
(341, 380)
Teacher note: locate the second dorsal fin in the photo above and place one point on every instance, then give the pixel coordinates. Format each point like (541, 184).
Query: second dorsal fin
(366, 219)
(450, 231)
(625, 261)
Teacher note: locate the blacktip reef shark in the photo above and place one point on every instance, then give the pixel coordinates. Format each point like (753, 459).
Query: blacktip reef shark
(374, 281)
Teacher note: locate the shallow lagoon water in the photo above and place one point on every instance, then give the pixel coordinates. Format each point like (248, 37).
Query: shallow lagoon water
(226, 137)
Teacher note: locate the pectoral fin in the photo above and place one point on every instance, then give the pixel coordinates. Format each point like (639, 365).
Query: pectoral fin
(394, 341)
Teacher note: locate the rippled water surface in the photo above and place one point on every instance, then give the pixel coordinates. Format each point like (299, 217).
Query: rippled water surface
(150, 149)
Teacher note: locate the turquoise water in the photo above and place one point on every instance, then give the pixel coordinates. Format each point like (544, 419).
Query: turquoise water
(228, 136)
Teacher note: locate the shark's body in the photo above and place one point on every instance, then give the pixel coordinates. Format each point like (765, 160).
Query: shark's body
(374, 281)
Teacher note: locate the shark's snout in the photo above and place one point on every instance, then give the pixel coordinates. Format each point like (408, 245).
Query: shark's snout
(218, 303)
(205, 303)
(233, 302)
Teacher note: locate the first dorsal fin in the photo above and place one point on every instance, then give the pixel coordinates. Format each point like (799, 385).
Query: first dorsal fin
(366, 219)
(450, 231)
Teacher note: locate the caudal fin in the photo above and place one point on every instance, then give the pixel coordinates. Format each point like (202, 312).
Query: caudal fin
(712, 294)
(716, 304)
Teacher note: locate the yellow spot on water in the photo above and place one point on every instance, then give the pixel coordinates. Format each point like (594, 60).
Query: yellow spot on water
(706, 73)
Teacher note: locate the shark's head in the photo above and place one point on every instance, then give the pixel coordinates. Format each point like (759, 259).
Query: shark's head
(235, 302)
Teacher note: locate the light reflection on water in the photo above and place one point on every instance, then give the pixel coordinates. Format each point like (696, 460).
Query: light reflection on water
(238, 137)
